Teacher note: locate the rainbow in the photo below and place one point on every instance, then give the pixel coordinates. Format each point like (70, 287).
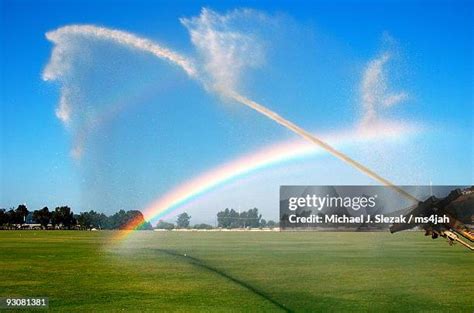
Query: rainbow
(254, 161)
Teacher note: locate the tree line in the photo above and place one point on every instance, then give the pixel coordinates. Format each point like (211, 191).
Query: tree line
(228, 218)
(64, 218)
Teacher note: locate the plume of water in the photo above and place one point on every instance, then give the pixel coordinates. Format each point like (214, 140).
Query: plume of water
(375, 93)
(58, 64)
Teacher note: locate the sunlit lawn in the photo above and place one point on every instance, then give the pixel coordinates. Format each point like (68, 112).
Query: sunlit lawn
(241, 271)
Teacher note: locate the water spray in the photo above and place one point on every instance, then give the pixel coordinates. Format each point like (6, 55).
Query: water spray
(146, 45)
(309, 137)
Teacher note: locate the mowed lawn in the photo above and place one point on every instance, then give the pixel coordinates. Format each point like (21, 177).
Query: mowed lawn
(237, 271)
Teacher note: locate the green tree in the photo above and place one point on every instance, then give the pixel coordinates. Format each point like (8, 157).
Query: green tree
(63, 216)
(164, 225)
(118, 220)
(234, 218)
(3, 217)
(12, 217)
(223, 218)
(92, 219)
(253, 218)
(21, 214)
(42, 217)
(85, 220)
(203, 226)
(243, 219)
(271, 224)
(102, 221)
(132, 219)
(183, 220)
(136, 220)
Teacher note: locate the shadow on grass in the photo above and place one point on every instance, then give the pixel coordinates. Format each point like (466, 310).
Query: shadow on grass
(197, 262)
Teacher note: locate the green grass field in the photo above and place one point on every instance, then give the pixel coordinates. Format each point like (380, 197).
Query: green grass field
(238, 271)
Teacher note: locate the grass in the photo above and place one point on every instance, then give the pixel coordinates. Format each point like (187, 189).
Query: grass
(237, 271)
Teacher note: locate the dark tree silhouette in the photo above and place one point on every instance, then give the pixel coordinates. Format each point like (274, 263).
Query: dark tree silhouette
(85, 220)
(13, 217)
(42, 217)
(136, 220)
(63, 216)
(21, 214)
(132, 219)
(3, 217)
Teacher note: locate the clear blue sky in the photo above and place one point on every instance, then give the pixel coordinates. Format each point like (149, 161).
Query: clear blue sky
(170, 129)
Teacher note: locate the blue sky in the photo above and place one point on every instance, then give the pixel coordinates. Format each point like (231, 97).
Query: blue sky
(170, 129)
